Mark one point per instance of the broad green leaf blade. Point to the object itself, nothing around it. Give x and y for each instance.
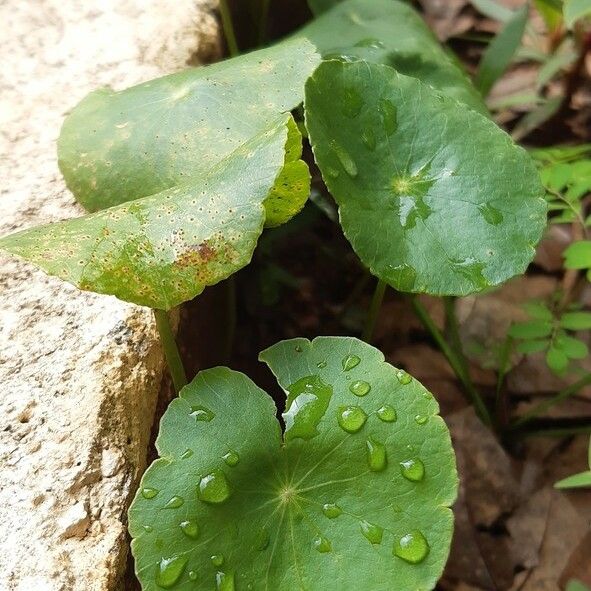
(359, 506)
(578, 255)
(531, 329)
(500, 52)
(392, 33)
(575, 585)
(119, 146)
(575, 10)
(433, 197)
(576, 481)
(162, 250)
(576, 320)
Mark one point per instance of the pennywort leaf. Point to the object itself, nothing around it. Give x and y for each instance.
(355, 495)
(164, 249)
(119, 146)
(390, 32)
(433, 197)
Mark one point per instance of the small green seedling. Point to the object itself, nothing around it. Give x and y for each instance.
(354, 495)
(581, 480)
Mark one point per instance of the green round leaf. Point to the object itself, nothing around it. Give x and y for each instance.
(391, 33)
(557, 360)
(578, 255)
(119, 146)
(576, 320)
(355, 496)
(531, 329)
(162, 250)
(433, 197)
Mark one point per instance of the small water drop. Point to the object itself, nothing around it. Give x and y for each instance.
(149, 493)
(402, 276)
(214, 488)
(170, 570)
(413, 470)
(412, 547)
(421, 419)
(321, 364)
(174, 503)
(217, 560)
(192, 575)
(377, 458)
(321, 544)
(148, 528)
(231, 458)
(351, 418)
(387, 414)
(345, 159)
(350, 361)
(351, 103)
(202, 413)
(371, 43)
(331, 510)
(360, 388)
(490, 214)
(224, 581)
(186, 454)
(372, 532)
(190, 529)
(389, 115)
(262, 539)
(368, 137)
(332, 172)
(403, 377)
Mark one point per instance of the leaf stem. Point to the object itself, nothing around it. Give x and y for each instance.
(171, 351)
(549, 403)
(228, 27)
(374, 310)
(455, 361)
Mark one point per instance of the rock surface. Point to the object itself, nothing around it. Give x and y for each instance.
(79, 373)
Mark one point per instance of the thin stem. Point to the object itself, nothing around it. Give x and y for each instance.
(231, 317)
(454, 360)
(171, 351)
(263, 21)
(549, 403)
(228, 27)
(374, 310)
(501, 412)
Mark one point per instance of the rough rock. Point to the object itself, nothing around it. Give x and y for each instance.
(79, 373)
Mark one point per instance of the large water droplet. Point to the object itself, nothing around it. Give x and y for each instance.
(389, 115)
(413, 470)
(368, 137)
(472, 270)
(412, 547)
(351, 418)
(307, 401)
(360, 388)
(331, 510)
(262, 539)
(372, 532)
(231, 458)
(214, 487)
(190, 529)
(170, 570)
(387, 414)
(174, 503)
(217, 560)
(149, 493)
(351, 102)
(224, 581)
(321, 544)
(376, 455)
(350, 361)
(345, 159)
(403, 377)
(202, 413)
(490, 214)
(421, 419)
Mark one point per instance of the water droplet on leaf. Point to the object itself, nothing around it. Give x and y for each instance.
(321, 364)
(201, 413)
(403, 377)
(490, 214)
(231, 458)
(331, 510)
(376, 455)
(224, 581)
(174, 503)
(421, 419)
(345, 159)
(214, 487)
(351, 103)
(192, 575)
(217, 560)
(322, 544)
(351, 418)
(170, 571)
(387, 414)
(190, 529)
(372, 532)
(350, 361)
(389, 115)
(368, 137)
(149, 493)
(412, 547)
(360, 388)
(148, 528)
(413, 470)
(187, 454)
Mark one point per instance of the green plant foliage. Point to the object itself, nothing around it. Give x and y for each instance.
(320, 6)
(355, 495)
(433, 197)
(548, 332)
(390, 32)
(575, 10)
(500, 52)
(162, 250)
(578, 256)
(119, 146)
(566, 175)
(581, 480)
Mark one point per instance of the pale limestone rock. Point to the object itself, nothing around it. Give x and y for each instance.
(79, 373)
